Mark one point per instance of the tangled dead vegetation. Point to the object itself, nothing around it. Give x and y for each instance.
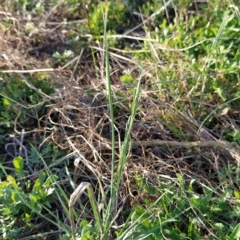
(81, 124)
(78, 122)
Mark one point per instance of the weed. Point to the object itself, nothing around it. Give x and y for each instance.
(18, 102)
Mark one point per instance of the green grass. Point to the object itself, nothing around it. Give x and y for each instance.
(117, 90)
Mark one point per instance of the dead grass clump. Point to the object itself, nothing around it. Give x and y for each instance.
(160, 149)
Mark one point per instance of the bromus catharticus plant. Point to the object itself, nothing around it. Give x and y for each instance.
(126, 145)
(105, 223)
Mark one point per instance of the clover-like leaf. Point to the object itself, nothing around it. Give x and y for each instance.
(18, 165)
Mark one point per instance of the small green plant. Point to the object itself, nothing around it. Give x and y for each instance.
(32, 6)
(63, 57)
(116, 17)
(207, 57)
(18, 101)
(21, 202)
(24, 199)
(181, 214)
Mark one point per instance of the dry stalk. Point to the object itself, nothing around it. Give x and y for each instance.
(233, 151)
(73, 199)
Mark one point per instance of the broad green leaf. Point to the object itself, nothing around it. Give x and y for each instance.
(221, 93)
(37, 185)
(6, 211)
(12, 181)
(42, 177)
(49, 180)
(181, 180)
(86, 230)
(15, 196)
(6, 102)
(237, 194)
(27, 217)
(127, 79)
(3, 184)
(33, 197)
(83, 223)
(236, 232)
(18, 164)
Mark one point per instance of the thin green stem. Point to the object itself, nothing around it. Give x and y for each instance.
(110, 100)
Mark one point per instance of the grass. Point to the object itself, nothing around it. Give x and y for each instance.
(119, 120)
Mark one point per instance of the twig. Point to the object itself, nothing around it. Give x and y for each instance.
(181, 144)
(233, 151)
(28, 71)
(73, 199)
